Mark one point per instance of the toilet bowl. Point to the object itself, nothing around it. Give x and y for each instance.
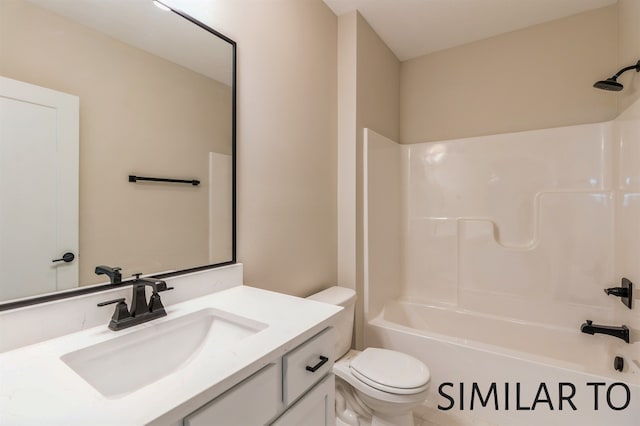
(377, 387)
(387, 386)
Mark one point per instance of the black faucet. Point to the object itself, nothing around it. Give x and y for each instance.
(115, 277)
(139, 299)
(140, 311)
(621, 332)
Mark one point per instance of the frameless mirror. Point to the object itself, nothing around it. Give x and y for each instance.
(117, 136)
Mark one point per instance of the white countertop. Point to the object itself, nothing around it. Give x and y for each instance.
(38, 388)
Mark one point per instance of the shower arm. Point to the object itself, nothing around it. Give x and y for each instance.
(625, 69)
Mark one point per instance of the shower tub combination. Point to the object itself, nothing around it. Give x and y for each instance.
(484, 256)
(541, 374)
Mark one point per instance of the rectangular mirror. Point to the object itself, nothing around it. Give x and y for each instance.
(95, 97)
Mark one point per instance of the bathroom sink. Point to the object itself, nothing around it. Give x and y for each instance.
(126, 363)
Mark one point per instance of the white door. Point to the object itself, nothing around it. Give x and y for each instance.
(38, 189)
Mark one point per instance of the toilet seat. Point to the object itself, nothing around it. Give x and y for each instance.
(390, 371)
(342, 371)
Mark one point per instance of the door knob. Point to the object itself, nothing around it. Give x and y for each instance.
(67, 257)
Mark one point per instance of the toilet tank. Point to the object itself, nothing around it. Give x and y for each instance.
(346, 298)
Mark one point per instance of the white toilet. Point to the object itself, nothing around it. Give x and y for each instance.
(376, 387)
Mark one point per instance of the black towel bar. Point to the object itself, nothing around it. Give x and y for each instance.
(193, 182)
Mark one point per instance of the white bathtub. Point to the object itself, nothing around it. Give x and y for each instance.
(522, 362)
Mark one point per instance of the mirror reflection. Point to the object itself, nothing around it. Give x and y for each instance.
(92, 92)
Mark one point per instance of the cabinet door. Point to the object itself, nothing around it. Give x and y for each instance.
(250, 403)
(315, 408)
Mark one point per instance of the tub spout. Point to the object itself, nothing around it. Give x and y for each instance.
(621, 332)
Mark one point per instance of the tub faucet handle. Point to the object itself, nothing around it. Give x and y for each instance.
(617, 291)
(624, 292)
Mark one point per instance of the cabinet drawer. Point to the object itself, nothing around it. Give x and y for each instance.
(251, 402)
(317, 354)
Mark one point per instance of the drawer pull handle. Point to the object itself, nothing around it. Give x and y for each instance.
(323, 360)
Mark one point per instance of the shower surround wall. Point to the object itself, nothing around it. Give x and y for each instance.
(530, 225)
(483, 257)
(518, 225)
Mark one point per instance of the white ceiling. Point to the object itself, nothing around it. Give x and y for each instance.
(413, 28)
(141, 24)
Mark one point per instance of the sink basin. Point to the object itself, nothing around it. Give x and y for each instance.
(129, 362)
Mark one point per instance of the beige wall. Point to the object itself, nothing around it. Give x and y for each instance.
(378, 108)
(369, 98)
(139, 227)
(287, 118)
(347, 131)
(534, 78)
(378, 83)
(628, 50)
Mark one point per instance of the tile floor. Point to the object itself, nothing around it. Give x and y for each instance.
(431, 416)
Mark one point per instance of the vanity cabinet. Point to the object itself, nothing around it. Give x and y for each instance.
(315, 408)
(317, 354)
(308, 386)
(283, 393)
(248, 403)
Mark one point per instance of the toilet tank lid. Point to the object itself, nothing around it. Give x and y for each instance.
(340, 296)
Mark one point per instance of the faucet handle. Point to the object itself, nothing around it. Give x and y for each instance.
(162, 286)
(121, 312)
(109, 302)
(617, 291)
(155, 304)
(624, 292)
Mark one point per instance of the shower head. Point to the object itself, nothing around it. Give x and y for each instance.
(611, 83)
